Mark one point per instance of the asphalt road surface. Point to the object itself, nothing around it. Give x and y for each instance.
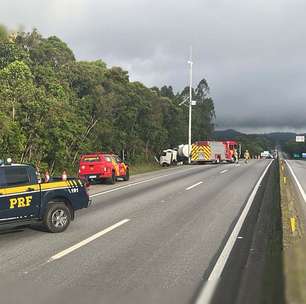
(154, 239)
(298, 168)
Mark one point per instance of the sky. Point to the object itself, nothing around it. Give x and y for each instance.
(252, 52)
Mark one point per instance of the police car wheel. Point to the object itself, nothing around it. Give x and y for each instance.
(127, 175)
(112, 179)
(57, 218)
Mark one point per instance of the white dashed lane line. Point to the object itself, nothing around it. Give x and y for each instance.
(192, 186)
(87, 241)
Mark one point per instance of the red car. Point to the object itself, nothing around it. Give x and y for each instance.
(102, 166)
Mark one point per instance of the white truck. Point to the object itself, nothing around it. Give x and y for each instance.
(266, 154)
(168, 157)
(174, 156)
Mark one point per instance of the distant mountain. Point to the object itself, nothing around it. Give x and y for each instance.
(281, 137)
(276, 137)
(227, 134)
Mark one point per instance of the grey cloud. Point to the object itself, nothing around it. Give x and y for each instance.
(251, 52)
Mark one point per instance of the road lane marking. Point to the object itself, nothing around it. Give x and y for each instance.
(297, 182)
(210, 285)
(138, 183)
(192, 186)
(293, 224)
(224, 171)
(87, 241)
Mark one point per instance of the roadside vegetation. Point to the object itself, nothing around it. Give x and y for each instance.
(294, 149)
(54, 108)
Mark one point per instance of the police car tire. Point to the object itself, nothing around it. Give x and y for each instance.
(112, 179)
(52, 208)
(127, 175)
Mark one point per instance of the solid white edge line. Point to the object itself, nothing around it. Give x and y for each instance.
(86, 241)
(297, 181)
(192, 186)
(210, 285)
(138, 183)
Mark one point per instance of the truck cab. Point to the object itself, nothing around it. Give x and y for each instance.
(25, 200)
(168, 157)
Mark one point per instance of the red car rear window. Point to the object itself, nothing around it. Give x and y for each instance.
(91, 158)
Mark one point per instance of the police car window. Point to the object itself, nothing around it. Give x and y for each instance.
(16, 176)
(2, 178)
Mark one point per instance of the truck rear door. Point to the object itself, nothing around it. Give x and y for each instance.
(20, 193)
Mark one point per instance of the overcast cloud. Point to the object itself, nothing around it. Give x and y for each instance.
(252, 52)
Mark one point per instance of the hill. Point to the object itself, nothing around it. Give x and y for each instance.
(255, 143)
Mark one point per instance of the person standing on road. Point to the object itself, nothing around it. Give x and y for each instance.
(47, 176)
(64, 175)
(236, 156)
(246, 156)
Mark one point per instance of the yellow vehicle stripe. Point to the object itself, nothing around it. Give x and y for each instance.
(35, 187)
(43, 186)
(204, 150)
(18, 189)
(194, 152)
(58, 184)
(207, 152)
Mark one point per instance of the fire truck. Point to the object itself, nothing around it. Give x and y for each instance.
(213, 151)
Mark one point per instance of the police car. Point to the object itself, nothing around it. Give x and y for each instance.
(24, 199)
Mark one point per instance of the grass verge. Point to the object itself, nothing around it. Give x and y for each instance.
(144, 167)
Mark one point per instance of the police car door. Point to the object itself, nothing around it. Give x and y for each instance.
(22, 193)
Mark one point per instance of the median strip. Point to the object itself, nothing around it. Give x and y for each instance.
(87, 241)
(293, 199)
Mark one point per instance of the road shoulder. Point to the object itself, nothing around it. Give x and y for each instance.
(255, 263)
(294, 239)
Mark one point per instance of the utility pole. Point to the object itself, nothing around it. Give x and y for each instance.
(190, 105)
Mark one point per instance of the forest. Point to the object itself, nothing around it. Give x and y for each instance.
(54, 107)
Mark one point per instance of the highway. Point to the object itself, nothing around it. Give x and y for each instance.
(154, 239)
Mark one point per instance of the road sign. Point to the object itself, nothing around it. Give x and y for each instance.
(300, 138)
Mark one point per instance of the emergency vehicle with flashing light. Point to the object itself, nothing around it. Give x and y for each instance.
(213, 151)
(103, 166)
(26, 200)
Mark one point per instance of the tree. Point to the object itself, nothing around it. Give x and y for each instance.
(54, 108)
